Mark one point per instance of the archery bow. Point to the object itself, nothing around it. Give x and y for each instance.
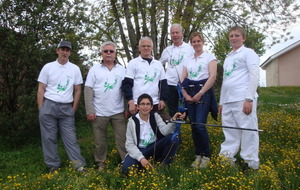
(220, 126)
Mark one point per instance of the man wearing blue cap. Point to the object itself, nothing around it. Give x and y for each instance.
(58, 97)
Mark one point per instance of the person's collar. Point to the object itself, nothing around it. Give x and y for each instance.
(102, 62)
(199, 55)
(151, 57)
(141, 120)
(145, 57)
(238, 50)
(60, 63)
(181, 43)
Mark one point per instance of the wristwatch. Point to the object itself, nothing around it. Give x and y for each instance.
(249, 100)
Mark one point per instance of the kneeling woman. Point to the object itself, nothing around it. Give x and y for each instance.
(148, 136)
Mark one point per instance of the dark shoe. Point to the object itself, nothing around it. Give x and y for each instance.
(245, 167)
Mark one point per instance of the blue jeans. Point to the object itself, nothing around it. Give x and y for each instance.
(198, 113)
(164, 149)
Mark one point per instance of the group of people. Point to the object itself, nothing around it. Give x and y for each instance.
(141, 92)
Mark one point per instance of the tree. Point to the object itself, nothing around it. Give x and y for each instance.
(30, 32)
(129, 20)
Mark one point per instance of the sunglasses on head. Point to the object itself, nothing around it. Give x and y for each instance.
(110, 51)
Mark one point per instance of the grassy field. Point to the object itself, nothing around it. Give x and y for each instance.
(278, 110)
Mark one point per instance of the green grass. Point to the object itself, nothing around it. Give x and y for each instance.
(278, 113)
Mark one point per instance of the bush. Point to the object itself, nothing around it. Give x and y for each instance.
(20, 127)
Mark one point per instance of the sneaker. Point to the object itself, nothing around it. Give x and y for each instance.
(81, 169)
(53, 169)
(196, 162)
(227, 161)
(204, 162)
(100, 169)
(253, 165)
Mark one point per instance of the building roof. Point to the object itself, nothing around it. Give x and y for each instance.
(281, 52)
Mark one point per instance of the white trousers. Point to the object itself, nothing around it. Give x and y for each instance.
(245, 141)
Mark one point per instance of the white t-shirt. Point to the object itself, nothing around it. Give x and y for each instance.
(60, 81)
(145, 77)
(106, 84)
(147, 135)
(174, 56)
(197, 68)
(236, 75)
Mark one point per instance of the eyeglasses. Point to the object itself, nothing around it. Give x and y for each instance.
(110, 51)
(145, 104)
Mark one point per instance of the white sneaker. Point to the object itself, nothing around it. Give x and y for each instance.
(81, 169)
(227, 162)
(100, 169)
(196, 162)
(204, 162)
(253, 165)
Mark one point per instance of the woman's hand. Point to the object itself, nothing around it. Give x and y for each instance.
(197, 97)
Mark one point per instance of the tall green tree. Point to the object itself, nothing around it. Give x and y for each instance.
(30, 32)
(129, 20)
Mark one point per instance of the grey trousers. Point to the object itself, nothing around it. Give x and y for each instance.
(59, 117)
(100, 125)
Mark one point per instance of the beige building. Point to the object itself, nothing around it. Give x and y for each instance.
(283, 68)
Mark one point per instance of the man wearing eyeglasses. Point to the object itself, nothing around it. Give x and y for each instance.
(104, 103)
(145, 74)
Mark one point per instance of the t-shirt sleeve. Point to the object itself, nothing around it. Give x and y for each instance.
(78, 77)
(90, 78)
(130, 70)
(43, 75)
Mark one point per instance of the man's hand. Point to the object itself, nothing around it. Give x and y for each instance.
(179, 115)
(91, 117)
(145, 163)
(247, 109)
(220, 110)
(161, 105)
(132, 107)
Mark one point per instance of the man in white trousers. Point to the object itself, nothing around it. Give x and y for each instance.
(238, 101)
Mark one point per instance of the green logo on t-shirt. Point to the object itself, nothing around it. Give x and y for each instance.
(228, 72)
(61, 88)
(175, 62)
(195, 74)
(110, 86)
(149, 78)
(145, 142)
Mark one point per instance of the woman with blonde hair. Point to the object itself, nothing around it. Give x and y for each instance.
(198, 76)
